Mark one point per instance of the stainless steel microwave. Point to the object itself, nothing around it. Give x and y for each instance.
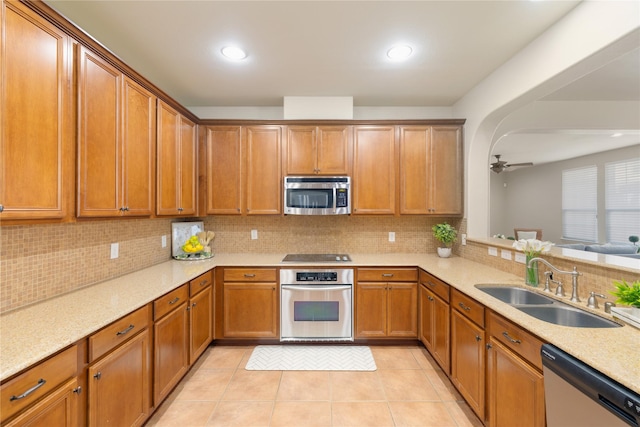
(317, 195)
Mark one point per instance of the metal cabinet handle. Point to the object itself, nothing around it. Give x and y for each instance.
(387, 274)
(506, 335)
(175, 300)
(429, 297)
(98, 375)
(249, 275)
(193, 305)
(464, 307)
(40, 383)
(125, 331)
(478, 338)
(204, 282)
(77, 390)
(431, 284)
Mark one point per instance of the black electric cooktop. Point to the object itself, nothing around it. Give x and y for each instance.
(316, 258)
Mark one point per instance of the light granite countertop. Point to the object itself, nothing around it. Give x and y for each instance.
(33, 333)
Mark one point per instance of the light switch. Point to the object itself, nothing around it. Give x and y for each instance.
(392, 236)
(164, 241)
(254, 234)
(505, 254)
(521, 258)
(493, 251)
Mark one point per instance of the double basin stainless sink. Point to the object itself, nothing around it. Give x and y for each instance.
(546, 309)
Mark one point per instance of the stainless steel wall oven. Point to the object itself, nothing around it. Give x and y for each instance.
(316, 304)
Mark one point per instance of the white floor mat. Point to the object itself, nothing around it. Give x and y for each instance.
(311, 358)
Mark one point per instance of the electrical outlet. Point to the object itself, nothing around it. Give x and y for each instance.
(505, 254)
(392, 236)
(493, 251)
(463, 237)
(164, 241)
(521, 258)
(114, 250)
(254, 234)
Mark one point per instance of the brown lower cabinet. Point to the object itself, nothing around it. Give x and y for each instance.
(248, 303)
(468, 350)
(515, 392)
(435, 319)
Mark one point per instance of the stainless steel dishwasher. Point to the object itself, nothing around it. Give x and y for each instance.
(578, 395)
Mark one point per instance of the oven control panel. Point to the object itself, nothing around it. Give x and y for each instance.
(317, 276)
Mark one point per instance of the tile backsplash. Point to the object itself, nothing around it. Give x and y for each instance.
(41, 261)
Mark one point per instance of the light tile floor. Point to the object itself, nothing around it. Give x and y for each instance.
(408, 389)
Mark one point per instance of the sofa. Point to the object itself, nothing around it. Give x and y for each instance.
(629, 251)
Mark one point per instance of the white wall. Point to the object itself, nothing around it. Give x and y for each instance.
(533, 196)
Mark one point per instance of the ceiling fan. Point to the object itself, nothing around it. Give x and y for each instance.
(500, 165)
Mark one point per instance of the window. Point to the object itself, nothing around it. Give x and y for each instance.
(622, 200)
(580, 204)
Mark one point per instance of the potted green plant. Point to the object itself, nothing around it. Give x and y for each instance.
(628, 294)
(445, 234)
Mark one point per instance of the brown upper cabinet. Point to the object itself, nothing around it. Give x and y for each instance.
(177, 165)
(319, 150)
(244, 174)
(37, 147)
(116, 142)
(224, 169)
(374, 170)
(431, 170)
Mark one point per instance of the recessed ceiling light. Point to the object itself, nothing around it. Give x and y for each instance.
(399, 52)
(616, 135)
(234, 53)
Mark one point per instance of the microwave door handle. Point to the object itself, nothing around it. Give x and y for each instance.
(335, 199)
(316, 288)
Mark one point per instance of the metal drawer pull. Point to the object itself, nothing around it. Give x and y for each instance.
(125, 331)
(77, 390)
(249, 275)
(175, 300)
(98, 375)
(387, 274)
(41, 382)
(464, 307)
(506, 335)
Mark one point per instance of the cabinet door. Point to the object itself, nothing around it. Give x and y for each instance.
(332, 150)
(434, 331)
(60, 409)
(374, 170)
(37, 147)
(468, 361)
(224, 159)
(371, 310)
(402, 310)
(167, 202)
(515, 389)
(201, 323)
(263, 171)
(139, 148)
(250, 310)
(119, 386)
(171, 351)
(415, 172)
(447, 170)
(301, 150)
(187, 167)
(99, 149)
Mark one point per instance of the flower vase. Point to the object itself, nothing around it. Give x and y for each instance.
(531, 273)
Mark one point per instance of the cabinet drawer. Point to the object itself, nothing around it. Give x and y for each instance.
(168, 302)
(118, 332)
(517, 339)
(200, 283)
(387, 274)
(434, 284)
(38, 381)
(249, 275)
(472, 309)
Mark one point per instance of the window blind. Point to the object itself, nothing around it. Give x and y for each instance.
(622, 200)
(580, 204)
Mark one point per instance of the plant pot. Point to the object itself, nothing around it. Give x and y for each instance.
(444, 252)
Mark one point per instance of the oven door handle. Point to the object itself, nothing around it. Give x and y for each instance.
(316, 288)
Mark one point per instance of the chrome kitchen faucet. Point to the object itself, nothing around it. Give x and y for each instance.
(574, 276)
